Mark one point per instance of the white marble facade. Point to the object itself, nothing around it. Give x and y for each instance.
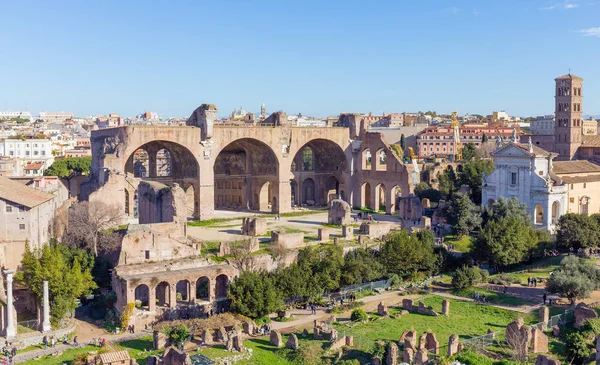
(524, 171)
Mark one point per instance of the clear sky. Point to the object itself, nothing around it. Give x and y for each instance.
(314, 57)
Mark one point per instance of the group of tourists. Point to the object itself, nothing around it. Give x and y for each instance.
(9, 353)
(265, 329)
(479, 298)
(131, 328)
(532, 282)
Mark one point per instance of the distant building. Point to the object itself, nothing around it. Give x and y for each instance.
(27, 211)
(543, 125)
(10, 166)
(111, 121)
(590, 127)
(438, 140)
(6, 114)
(34, 169)
(56, 117)
(28, 151)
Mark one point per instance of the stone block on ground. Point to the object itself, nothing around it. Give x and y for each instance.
(546, 360)
(382, 309)
(582, 314)
(421, 357)
(339, 212)
(453, 345)
(275, 338)
(391, 357)
(323, 234)
(539, 341)
(446, 307)
(348, 232)
(292, 342)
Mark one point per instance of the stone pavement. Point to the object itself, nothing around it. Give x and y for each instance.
(28, 355)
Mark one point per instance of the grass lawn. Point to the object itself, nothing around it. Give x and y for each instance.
(262, 353)
(461, 244)
(466, 320)
(138, 349)
(539, 269)
(66, 358)
(491, 296)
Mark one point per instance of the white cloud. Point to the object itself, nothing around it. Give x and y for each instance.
(564, 5)
(453, 10)
(571, 6)
(591, 32)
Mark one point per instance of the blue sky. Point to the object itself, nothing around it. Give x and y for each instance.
(315, 57)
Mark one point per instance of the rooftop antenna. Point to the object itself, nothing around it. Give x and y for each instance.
(569, 70)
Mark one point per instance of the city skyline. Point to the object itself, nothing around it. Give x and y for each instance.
(304, 58)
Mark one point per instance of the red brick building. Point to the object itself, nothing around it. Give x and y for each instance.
(438, 140)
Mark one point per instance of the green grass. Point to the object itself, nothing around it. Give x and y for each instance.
(23, 329)
(491, 296)
(66, 358)
(461, 244)
(138, 349)
(329, 225)
(211, 247)
(262, 353)
(466, 320)
(539, 269)
(211, 223)
(293, 230)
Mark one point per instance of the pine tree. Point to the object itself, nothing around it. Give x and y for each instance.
(403, 142)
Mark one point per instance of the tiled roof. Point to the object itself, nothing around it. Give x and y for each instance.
(111, 357)
(590, 141)
(18, 193)
(33, 166)
(575, 167)
(580, 179)
(568, 77)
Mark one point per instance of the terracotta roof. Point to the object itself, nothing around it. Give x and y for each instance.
(574, 167)
(580, 179)
(536, 150)
(33, 166)
(590, 141)
(111, 357)
(568, 77)
(18, 193)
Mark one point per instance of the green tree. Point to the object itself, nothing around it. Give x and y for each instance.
(577, 347)
(67, 270)
(324, 263)
(465, 277)
(407, 255)
(447, 182)
(254, 294)
(423, 190)
(361, 265)
(178, 335)
(577, 231)
(68, 167)
(397, 150)
(505, 241)
(504, 208)
(403, 142)
(359, 314)
(575, 279)
(462, 214)
(468, 151)
(484, 138)
(472, 175)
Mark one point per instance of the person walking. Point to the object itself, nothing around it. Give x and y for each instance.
(75, 341)
(45, 342)
(53, 341)
(544, 297)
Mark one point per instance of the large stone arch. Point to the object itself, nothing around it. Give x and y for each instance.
(241, 170)
(182, 162)
(323, 162)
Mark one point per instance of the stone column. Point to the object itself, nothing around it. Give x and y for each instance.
(151, 298)
(173, 296)
(192, 291)
(11, 329)
(46, 323)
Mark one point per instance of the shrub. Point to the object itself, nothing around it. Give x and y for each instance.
(359, 315)
(465, 277)
(126, 315)
(577, 347)
(178, 335)
(504, 279)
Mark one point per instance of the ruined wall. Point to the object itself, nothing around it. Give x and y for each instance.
(155, 242)
(160, 203)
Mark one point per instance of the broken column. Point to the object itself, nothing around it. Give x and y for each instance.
(323, 234)
(431, 343)
(292, 342)
(11, 329)
(421, 357)
(391, 357)
(539, 341)
(46, 323)
(446, 307)
(275, 338)
(348, 232)
(453, 345)
(339, 212)
(382, 309)
(544, 317)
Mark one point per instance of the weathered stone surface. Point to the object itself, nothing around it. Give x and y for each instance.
(410, 336)
(422, 341)
(248, 327)
(432, 344)
(518, 336)
(598, 350)
(172, 356)
(207, 337)
(556, 331)
(407, 304)
(339, 343)
(453, 342)
(539, 341)
(421, 357)
(287, 240)
(404, 312)
(376, 230)
(361, 239)
(305, 333)
(382, 309)
(391, 357)
(238, 343)
(224, 249)
(582, 314)
(292, 342)
(339, 212)
(348, 232)
(221, 334)
(544, 317)
(275, 338)
(546, 360)
(446, 307)
(323, 234)
(336, 240)
(408, 355)
(349, 341)
(254, 226)
(159, 340)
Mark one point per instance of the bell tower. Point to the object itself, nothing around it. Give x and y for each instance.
(568, 117)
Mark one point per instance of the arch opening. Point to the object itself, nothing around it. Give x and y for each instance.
(555, 212)
(381, 161)
(365, 196)
(163, 163)
(203, 289)
(380, 202)
(308, 192)
(539, 214)
(163, 294)
(182, 291)
(142, 297)
(221, 287)
(140, 162)
(190, 202)
(366, 159)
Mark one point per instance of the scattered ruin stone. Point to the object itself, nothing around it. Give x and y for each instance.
(348, 232)
(598, 350)
(173, 356)
(152, 360)
(391, 357)
(323, 234)
(422, 341)
(238, 343)
(556, 331)
(376, 361)
(292, 342)
(407, 304)
(229, 344)
(410, 336)
(275, 338)
(432, 344)
(336, 240)
(339, 212)
(361, 239)
(159, 340)
(539, 341)
(421, 357)
(339, 343)
(248, 327)
(382, 309)
(254, 226)
(544, 317)
(408, 355)
(221, 334)
(305, 333)
(446, 307)
(404, 312)
(207, 337)
(491, 333)
(349, 341)
(453, 345)
(518, 336)
(546, 360)
(224, 249)
(582, 314)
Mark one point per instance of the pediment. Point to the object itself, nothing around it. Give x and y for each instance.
(510, 150)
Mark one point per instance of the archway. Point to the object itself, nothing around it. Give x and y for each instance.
(265, 198)
(380, 201)
(308, 156)
(140, 163)
(395, 194)
(163, 294)
(241, 170)
(308, 192)
(366, 159)
(365, 196)
(203, 289)
(555, 212)
(584, 204)
(539, 214)
(163, 162)
(190, 201)
(142, 297)
(381, 162)
(222, 285)
(294, 190)
(182, 290)
(332, 189)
